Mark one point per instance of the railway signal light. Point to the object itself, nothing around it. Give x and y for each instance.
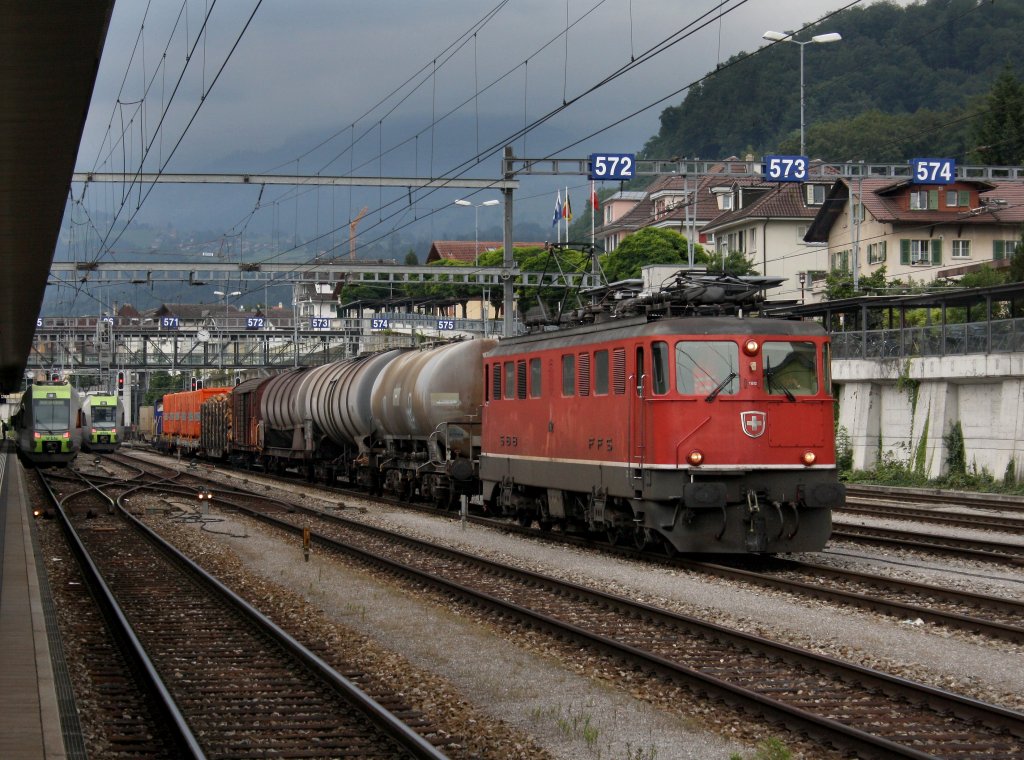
(194, 381)
(120, 383)
(55, 376)
(199, 384)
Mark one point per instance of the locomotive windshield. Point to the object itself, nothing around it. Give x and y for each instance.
(705, 366)
(103, 416)
(789, 368)
(51, 414)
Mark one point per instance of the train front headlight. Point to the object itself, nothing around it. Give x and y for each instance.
(808, 458)
(67, 433)
(695, 458)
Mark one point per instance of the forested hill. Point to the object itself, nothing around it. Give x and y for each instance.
(903, 82)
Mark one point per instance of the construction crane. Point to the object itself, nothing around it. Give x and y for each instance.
(352, 234)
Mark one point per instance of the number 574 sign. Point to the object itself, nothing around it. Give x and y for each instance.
(934, 171)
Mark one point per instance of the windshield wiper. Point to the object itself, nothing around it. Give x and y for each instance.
(720, 387)
(778, 384)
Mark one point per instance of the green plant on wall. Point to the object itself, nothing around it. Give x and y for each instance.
(844, 450)
(956, 453)
(921, 453)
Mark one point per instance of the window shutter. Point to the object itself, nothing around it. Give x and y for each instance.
(933, 199)
(905, 252)
(882, 250)
(936, 251)
(964, 198)
(998, 249)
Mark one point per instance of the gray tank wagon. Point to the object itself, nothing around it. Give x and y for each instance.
(426, 408)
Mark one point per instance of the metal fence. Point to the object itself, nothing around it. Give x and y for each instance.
(998, 336)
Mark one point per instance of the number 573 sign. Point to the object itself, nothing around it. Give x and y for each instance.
(785, 168)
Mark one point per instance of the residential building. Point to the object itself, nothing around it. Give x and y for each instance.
(767, 222)
(916, 231)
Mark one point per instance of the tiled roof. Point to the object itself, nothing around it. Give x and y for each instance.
(785, 200)
(886, 202)
(468, 250)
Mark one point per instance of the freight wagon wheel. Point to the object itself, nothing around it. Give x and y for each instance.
(613, 535)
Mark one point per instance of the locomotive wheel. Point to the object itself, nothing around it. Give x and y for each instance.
(613, 535)
(524, 519)
(643, 538)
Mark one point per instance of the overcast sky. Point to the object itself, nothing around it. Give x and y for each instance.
(305, 70)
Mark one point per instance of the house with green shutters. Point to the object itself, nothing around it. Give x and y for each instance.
(918, 232)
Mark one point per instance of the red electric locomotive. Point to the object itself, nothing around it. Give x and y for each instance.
(692, 433)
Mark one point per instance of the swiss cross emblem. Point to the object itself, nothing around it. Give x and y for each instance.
(753, 423)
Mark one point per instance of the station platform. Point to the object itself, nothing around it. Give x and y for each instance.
(30, 723)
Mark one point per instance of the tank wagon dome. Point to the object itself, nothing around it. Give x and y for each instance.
(337, 396)
(419, 390)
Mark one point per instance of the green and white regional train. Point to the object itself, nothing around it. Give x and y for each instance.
(102, 422)
(48, 424)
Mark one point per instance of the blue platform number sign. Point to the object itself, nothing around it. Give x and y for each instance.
(39, 321)
(934, 171)
(379, 323)
(785, 168)
(320, 323)
(254, 323)
(169, 323)
(612, 165)
(446, 324)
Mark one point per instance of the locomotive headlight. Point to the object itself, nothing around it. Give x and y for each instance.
(36, 434)
(808, 458)
(695, 458)
(67, 433)
(751, 347)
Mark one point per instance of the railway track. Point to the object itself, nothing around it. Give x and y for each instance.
(991, 616)
(932, 543)
(849, 707)
(221, 678)
(917, 496)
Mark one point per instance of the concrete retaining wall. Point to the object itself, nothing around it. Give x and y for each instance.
(890, 409)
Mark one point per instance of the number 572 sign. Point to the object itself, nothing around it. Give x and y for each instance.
(612, 165)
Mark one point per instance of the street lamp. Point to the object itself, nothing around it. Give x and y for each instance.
(476, 220)
(819, 38)
(226, 297)
(476, 247)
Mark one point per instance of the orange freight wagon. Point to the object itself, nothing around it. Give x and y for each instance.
(181, 417)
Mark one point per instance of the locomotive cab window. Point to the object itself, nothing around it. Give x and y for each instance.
(659, 368)
(705, 367)
(789, 368)
(568, 375)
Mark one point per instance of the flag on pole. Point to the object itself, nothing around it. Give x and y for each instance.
(558, 209)
(567, 208)
(593, 197)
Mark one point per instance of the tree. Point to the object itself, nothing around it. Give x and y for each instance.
(1016, 273)
(411, 259)
(651, 245)
(999, 136)
(734, 263)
